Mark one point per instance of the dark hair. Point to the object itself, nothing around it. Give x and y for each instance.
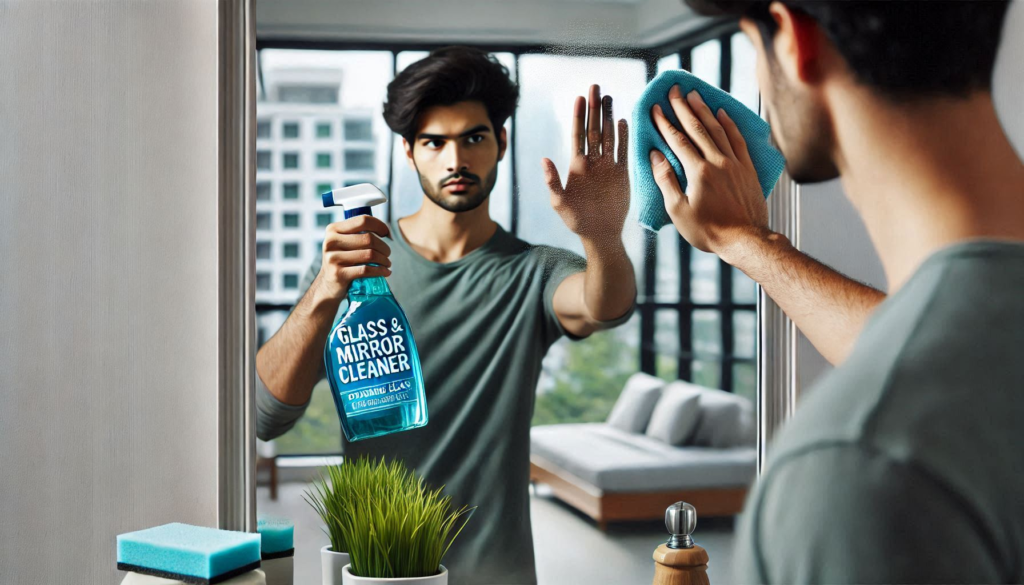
(448, 76)
(905, 49)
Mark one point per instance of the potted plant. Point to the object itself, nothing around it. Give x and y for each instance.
(392, 526)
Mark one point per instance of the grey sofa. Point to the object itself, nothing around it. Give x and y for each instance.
(662, 443)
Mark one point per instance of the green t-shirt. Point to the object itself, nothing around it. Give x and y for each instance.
(906, 464)
(482, 325)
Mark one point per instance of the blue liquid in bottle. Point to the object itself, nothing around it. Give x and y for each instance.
(372, 363)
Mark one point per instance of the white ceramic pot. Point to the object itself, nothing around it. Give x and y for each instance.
(331, 564)
(349, 579)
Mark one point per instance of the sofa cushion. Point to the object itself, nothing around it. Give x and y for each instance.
(636, 402)
(616, 461)
(676, 413)
(726, 420)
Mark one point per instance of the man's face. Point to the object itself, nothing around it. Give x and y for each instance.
(800, 123)
(456, 154)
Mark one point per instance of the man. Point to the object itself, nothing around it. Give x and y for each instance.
(484, 305)
(904, 465)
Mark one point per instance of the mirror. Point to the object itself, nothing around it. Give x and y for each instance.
(595, 514)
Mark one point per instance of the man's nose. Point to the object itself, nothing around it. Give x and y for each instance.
(455, 159)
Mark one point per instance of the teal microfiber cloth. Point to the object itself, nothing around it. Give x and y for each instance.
(644, 137)
(193, 554)
(278, 536)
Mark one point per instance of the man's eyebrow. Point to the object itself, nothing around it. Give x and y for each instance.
(480, 129)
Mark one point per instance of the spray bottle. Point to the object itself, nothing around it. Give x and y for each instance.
(372, 363)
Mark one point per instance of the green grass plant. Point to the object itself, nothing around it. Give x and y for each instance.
(386, 518)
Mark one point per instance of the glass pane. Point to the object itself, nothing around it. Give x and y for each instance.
(357, 130)
(581, 380)
(262, 250)
(290, 130)
(743, 77)
(707, 61)
(704, 276)
(707, 373)
(262, 129)
(669, 62)
(323, 130)
(707, 333)
(667, 271)
(744, 290)
(744, 380)
(549, 85)
(358, 160)
(744, 334)
(666, 343)
(263, 160)
(263, 191)
(408, 194)
(323, 160)
(291, 191)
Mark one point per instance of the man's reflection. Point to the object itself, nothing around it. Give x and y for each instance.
(484, 305)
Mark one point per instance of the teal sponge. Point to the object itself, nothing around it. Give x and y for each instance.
(193, 554)
(278, 536)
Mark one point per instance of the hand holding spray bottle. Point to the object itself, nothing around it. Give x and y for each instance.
(372, 363)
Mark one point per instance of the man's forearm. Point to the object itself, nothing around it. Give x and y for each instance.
(289, 362)
(609, 284)
(829, 308)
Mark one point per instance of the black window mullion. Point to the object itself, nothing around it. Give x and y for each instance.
(391, 151)
(685, 359)
(648, 351)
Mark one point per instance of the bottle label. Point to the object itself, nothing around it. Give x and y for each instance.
(372, 364)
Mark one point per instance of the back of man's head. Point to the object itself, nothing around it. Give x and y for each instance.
(904, 49)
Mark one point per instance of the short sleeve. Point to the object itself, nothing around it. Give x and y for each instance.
(556, 265)
(845, 514)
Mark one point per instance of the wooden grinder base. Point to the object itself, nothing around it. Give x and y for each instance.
(680, 566)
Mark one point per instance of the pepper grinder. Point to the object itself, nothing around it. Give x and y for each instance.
(680, 561)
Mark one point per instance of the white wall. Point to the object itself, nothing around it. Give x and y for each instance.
(832, 232)
(108, 279)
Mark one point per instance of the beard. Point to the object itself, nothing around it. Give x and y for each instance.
(802, 130)
(474, 196)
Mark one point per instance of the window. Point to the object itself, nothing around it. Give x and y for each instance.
(358, 130)
(263, 191)
(290, 220)
(263, 250)
(323, 130)
(263, 221)
(323, 160)
(358, 160)
(263, 129)
(290, 250)
(322, 188)
(290, 191)
(324, 219)
(262, 281)
(351, 182)
(290, 160)
(290, 129)
(263, 160)
(290, 281)
(307, 94)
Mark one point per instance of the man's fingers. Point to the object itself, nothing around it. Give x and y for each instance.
(607, 128)
(579, 126)
(680, 144)
(691, 124)
(359, 224)
(594, 122)
(334, 242)
(623, 142)
(357, 258)
(665, 177)
(551, 176)
(707, 118)
(351, 273)
(739, 144)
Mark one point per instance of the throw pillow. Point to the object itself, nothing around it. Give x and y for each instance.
(676, 413)
(633, 409)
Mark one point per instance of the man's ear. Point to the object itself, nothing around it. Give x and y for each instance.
(408, 154)
(502, 143)
(799, 44)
